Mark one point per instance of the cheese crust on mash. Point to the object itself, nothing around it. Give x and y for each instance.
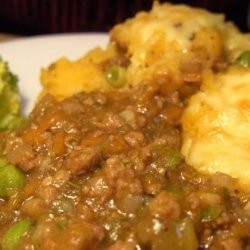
(178, 41)
(65, 78)
(216, 125)
(174, 42)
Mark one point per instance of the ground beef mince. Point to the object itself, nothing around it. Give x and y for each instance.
(104, 171)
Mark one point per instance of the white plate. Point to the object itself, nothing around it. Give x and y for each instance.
(27, 56)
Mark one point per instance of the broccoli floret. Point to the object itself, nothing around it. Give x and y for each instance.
(10, 103)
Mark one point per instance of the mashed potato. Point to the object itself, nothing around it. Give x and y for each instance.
(65, 78)
(177, 40)
(216, 125)
(170, 43)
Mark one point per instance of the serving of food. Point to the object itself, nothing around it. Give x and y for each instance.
(139, 145)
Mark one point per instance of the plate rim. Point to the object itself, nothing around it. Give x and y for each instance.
(52, 36)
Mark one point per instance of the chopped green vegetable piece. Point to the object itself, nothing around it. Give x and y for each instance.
(168, 157)
(210, 213)
(186, 230)
(14, 234)
(11, 179)
(61, 225)
(10, 111)
(182, 236)
(63, 205)
(116, 76)
(244, 59)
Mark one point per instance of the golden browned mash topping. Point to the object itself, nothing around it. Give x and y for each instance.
(140, 145)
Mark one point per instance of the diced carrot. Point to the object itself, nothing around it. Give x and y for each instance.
(50, 119)
(58, 143)
(114, 145)
(90, 140)
(29, 188)
(173, 115)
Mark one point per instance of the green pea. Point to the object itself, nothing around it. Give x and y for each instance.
(15, 233)
(116, 76)
(244, 59)
(11, 179)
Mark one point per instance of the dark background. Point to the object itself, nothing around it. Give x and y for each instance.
(33, 17)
